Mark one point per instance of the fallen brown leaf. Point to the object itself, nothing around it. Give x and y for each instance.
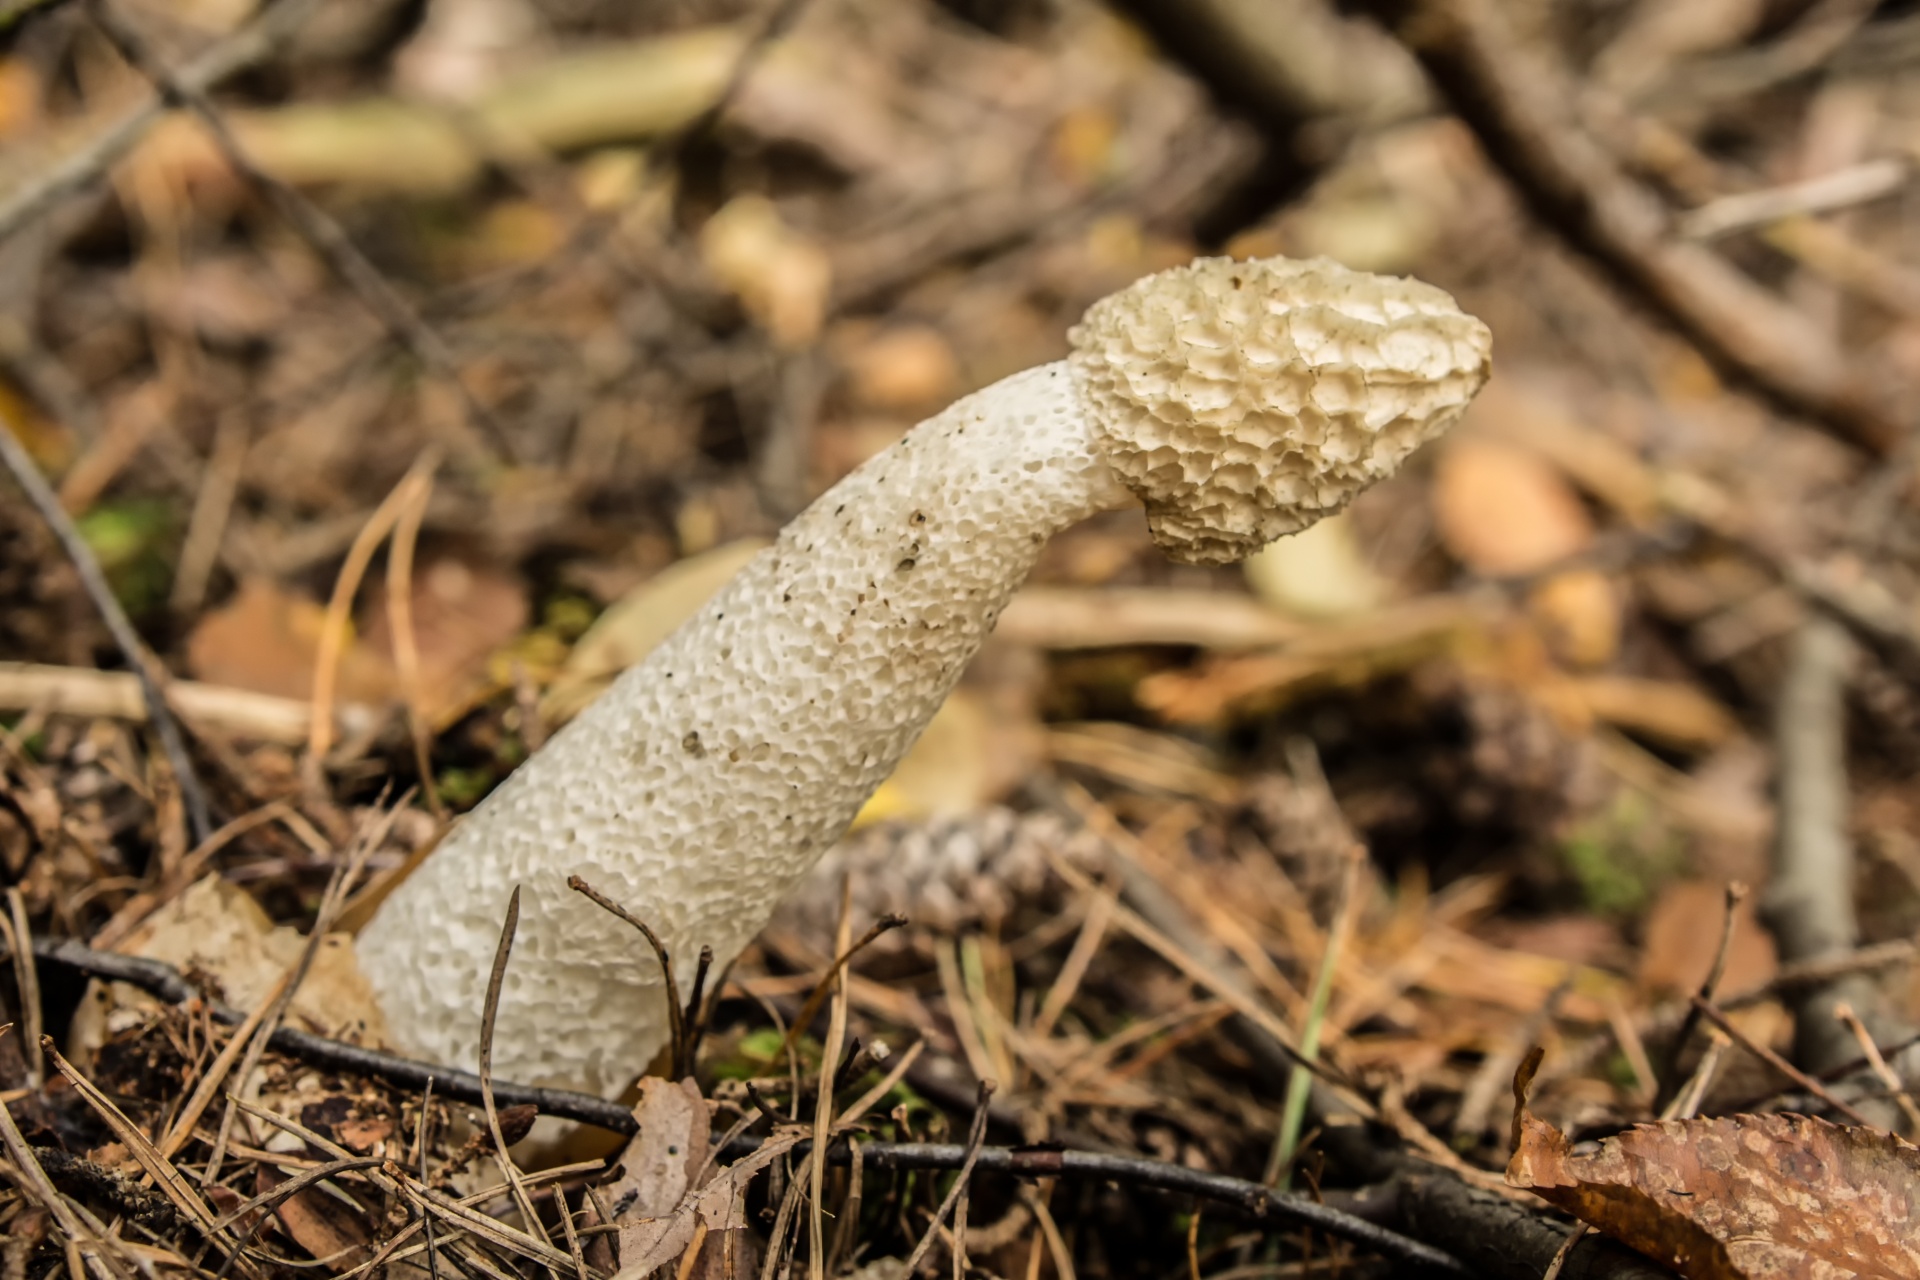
(1682, 933)
(1501, 510)
(659, 1167)
(463, 612)
(266, 640)
(1735, 1197)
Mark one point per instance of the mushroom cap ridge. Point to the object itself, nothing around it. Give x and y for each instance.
(1243, 401)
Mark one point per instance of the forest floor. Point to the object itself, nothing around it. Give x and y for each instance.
(1593, 730)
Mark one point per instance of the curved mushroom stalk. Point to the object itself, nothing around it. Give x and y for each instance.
(1240, 401)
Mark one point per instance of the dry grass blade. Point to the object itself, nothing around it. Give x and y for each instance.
(1086, 945)
(26, 976)
(1204, 976)
(828, 980)
(215, 1075)
(849, 1209)
(777, 1234)
(867, 1101)
(389, 1178)
(171, 1182)
(1878, 1062)
(338, 887)
(346, 584)
(1709, 986)
(823, 1104)
(165, 982)
(406, 644)
(492, 1230)
(83, 1244)
(1299, 1084)
(489, 1014)
(298, 1183)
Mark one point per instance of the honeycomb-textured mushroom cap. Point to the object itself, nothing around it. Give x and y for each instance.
(1242, 401)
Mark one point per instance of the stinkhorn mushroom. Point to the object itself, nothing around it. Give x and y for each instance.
(1239, 401)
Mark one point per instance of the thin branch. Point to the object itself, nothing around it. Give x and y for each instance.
(1709, 988)
(164, 981)
(976, 1138)
(87, 164)
(676, 1016)
(1780, 1064)
(1250, 1197)
(1524, 112)
(159, 714)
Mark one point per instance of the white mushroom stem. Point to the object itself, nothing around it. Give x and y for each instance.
(1240, 401)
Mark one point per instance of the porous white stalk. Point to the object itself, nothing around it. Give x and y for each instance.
(710, 777)
(1238, 401)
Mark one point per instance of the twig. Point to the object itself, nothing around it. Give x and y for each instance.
(1709, 988)
(330, 902)
(1878, 1062)
(117, 695)
(1250, 1197)
(314, 224)
(420, 1133)
(1686, 1103)
(208, 1086)
(976, 1136)
(90, 162)
(164, 981)
(1499, 1238)
(676, 1017)
(159, 714)
(697, 1010)
(165, 1176)
(1580, 1232)
(1525, 115)
(825, 987)
(1824, 194)
(1780, 1064)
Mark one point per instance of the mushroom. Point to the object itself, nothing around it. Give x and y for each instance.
(1239, 401)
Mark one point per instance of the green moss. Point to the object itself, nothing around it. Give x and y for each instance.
(1620, 856)
(131, 540)
(464, 788)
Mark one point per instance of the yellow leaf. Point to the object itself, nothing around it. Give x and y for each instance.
(947, 773)
(638, 622)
